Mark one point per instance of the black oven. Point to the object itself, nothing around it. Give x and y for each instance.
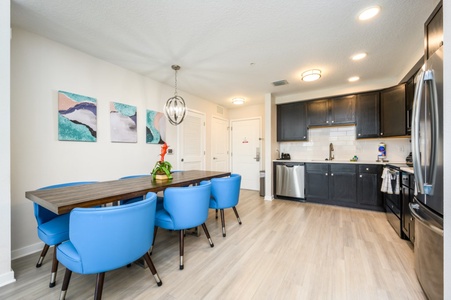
(391, 187)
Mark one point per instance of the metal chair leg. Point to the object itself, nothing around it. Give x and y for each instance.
(152, 269)
(43, 254)
(216, 213)
(208, 235)
(65, 284)
(181, 246)
(99, 286)
(236, 214)
(54, 269)
(155, 229)
(223, 223)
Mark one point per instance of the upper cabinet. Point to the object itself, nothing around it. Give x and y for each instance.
(335, 111)
(291, 122)
(433, 30)
(393, 111)
(367, 115)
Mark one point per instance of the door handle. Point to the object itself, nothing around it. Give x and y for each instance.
(214, 158)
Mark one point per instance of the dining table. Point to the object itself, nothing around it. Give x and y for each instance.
(63, 200)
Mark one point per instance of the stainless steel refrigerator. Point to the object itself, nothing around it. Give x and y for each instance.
(427, 154)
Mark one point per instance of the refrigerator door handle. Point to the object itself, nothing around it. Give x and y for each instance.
(430, 80)
(416, 133)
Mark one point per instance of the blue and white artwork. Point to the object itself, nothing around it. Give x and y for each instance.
(123, 123)
(77, 117)
(155, 127)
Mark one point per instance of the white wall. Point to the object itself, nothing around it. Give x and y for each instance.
(6, 274)
(41, 67)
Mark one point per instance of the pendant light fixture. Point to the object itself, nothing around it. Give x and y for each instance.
(175, 108)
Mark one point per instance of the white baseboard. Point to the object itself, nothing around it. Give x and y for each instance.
(7, 278)
(18, 253)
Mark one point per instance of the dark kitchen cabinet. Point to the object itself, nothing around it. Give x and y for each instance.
(317, 182)
(342, 183)
(291, 122)
(338, 184)
(433, 30)
(368, 186)
(367, 115)
(407, 221)
(393, 111)
(335, 111)
(342, 110)
(318, 112)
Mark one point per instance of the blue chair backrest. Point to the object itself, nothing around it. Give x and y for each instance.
(107, 238)
(226, 191)
(187, 206)
(44, 215)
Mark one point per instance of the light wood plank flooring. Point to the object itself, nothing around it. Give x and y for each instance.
(283, 250)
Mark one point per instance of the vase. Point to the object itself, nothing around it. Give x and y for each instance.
(159, 177)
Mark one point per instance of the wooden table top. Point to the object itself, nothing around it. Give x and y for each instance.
(63, 200)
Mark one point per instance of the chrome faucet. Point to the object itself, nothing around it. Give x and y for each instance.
(331, 151)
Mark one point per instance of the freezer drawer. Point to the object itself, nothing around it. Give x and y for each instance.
(290, 180)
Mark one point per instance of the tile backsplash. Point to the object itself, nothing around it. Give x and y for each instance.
(345, 146)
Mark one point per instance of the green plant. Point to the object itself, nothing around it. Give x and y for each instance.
(162, 168)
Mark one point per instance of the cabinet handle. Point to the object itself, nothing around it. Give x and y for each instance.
(327, 121)
(331, 174)
(326, 174)
(382, 133)
(361, 176)
(304, 136)
(332, 121)
(359, 134)
(367, 169)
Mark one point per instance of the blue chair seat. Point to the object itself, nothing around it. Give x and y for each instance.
(55, 231)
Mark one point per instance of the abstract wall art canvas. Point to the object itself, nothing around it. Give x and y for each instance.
(123, 123)
(77, 117)
(155, 127)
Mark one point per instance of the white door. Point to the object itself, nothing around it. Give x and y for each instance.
(192, 141)
(219, 144)
(246, 152)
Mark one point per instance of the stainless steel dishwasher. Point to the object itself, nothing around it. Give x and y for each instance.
(290, 180)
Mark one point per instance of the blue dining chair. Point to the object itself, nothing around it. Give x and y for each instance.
(184, 208)
(225, 193)
(128, 201)
(107, 238)
(52, 229)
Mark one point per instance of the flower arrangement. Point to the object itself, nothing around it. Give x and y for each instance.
(162, 169)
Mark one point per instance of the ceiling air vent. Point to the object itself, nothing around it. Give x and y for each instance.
(279, 83)
(219, 110)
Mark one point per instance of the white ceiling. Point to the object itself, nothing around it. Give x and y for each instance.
(238, 48)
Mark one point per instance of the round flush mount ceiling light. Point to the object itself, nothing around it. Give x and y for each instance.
(311, 75)
(238, 101)
(359, 56)
(369, 13)
(354, 78)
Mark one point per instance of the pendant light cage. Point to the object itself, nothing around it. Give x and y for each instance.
(175, 107)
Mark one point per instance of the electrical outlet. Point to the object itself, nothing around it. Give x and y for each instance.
(401, 149)
(170, 152)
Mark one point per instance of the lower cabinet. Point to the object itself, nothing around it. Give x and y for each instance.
(350, 185)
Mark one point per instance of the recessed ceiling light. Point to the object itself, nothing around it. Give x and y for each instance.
(311, 75)
(359, 56)
(354, 78)
(238, 101)
(369, 13)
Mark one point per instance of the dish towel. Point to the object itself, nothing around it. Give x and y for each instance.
(386, 186)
